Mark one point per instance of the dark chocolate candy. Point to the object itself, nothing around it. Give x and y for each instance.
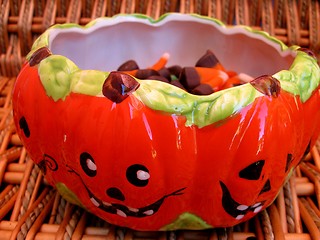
(39, 55)
(128, 66)
(208, 60)
(267, 85)
(177, 84)
(175, 70)
(202, 89)
(159, 78)
(189, 78)
(164, 72)
(118, 86)
(146, 73)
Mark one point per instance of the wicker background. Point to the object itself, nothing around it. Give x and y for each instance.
(30, 209)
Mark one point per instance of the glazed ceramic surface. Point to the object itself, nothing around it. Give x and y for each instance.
(162, 158)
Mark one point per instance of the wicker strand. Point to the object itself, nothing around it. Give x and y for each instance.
(62, 7)
(61, 211)
(242, 14)
(5, 134)
(28, 220)
(276, 222)
(308, 221)
(49, 14)
(4, 13)
(311, 212)
(303, 13)
(30, 187)
(120, 234)
(288, 207)
(266, 225)
(72, 224)
(12, 153)
(101, 9)
(8, 196)
(24, 25)
(279, 6)
(268, 17)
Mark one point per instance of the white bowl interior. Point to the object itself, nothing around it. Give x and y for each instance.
(109, 43)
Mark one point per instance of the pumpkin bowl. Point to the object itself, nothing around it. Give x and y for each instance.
(149, 155)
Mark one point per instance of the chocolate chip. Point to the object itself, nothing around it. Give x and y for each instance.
(267, 85)
(39, 55)
(208, 60)
(189, 78)
(164, 72)
(128, 66)
(175, 70)
(202, 89)
(159, 78)
(118, 86)
(177, 84)
(145, 73)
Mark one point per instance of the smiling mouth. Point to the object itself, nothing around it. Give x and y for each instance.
(125, 211)
(122, 210)
(235, 209)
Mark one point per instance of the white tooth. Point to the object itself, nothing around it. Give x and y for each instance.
(258, 209)
(148, 212)
(133, 209)
(121, 213)
(242, 207)
(143, 175)
(106, 204)
(239, 216)
(94, 202)
(256, 205)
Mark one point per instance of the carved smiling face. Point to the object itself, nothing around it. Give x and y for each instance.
(136, 174)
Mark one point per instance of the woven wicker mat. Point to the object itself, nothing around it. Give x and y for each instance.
(30, 209)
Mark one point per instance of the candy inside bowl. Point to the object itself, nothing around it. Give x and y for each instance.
(148, 155)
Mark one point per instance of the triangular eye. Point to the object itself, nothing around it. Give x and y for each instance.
(266, 187)
(253, 171)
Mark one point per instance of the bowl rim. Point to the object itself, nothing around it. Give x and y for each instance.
(301, 79)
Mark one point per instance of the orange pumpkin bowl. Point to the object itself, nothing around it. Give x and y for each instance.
(148, 155)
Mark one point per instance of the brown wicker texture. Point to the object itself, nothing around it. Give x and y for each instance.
(30, 209)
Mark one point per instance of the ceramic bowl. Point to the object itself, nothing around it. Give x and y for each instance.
(148, 155)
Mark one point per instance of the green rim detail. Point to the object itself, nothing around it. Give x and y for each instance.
(68, 195)
(187, 221)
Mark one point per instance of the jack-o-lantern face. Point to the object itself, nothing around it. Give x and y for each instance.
(148, 155)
